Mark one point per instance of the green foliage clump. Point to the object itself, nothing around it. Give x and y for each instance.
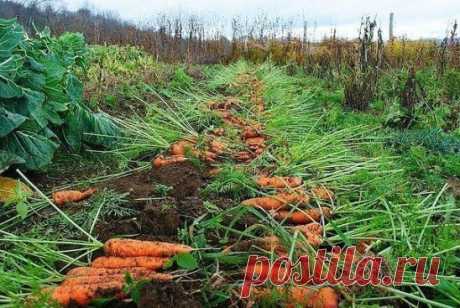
(41, 99)
(181, 80)
(451, 84)
(432, 139)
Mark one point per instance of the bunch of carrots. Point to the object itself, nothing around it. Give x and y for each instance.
(298, 296)
(105, 276)
(179, 150)
(294, 195)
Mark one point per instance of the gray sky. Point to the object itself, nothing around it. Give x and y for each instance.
(413, 18)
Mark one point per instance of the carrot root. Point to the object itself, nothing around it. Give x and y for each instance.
(119, 262)
(66, 196)
(135, 248)
(304, 217)
(279, 182)
(161, 161)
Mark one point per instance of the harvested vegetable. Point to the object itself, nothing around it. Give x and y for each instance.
(323, 193)
(277, 201)
(217, 147)
(208, 156)
(229, 103)
(182, 147)
(93, 271)
(255, 142)
(66, 196)
(243, 156)
(298, 296)
(161, 161)
(8, 189)
(279, 182)
(118, 262)
(98, 279)
(267, 203)
(313, 232)
(322, 298)
(304, 217)
(231, 119)
(84, 294)
(136, 248)
(218, 132)
(250, 132)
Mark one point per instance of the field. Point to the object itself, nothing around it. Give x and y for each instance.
(227, 159)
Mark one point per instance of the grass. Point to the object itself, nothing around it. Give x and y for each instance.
(393, 195)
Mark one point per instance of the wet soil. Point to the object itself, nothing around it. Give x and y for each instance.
(159, 217)
(184, 178)
(138, 185)
(169, 294)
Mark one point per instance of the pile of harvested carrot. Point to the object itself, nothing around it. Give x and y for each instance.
(298, 296)
(106, 275)
(179, 150)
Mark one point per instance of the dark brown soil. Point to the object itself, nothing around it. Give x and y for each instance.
(114, 228)
(184, 178)
(138, 185)
(160, 219)
(169, 294)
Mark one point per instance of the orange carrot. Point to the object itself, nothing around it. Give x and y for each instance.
(182, 147)
(243, 156)
(88, 280)
(218, 131)
(65, 196)
(267, 203)
(226, 105)
(208, 156)
(250, 132)
(84, 294)
(217, 147)
(303, 217)
(313, 233)
(255, 142)
(135, 248)
(279, 182)
(231, 119)
(161, 160)
(294, 197)
(322, 298)
(298, 296)
(93, 271)
(277, 201)
(118, 262)
(323, 193)
(270, 243)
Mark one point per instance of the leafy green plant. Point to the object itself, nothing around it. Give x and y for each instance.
(451, 84)
(41, 99)
(432, 139)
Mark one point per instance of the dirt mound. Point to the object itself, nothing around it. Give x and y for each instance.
(108, 230)
(172, 294)
(138, 185)
(183, 177)
(160, 219)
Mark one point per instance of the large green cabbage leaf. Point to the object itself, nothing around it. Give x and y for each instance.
(41, 103)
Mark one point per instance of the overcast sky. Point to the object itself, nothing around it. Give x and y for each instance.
(413, 18)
